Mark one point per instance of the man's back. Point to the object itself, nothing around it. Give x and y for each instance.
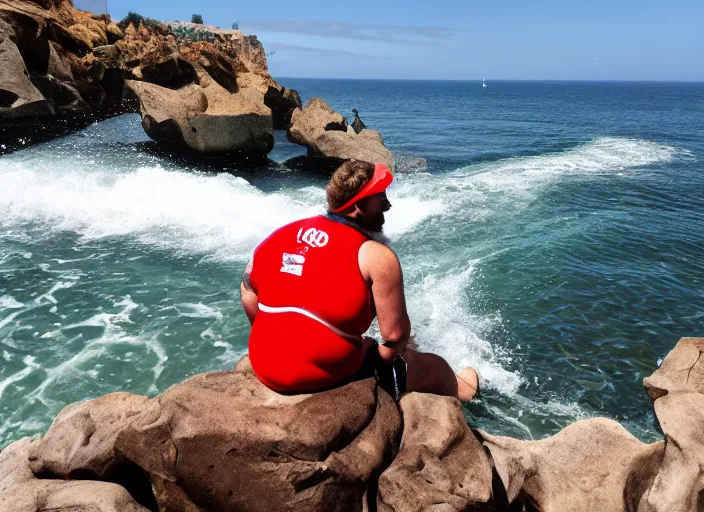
(307, 279)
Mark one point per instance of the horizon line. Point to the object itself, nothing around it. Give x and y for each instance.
(701, 81)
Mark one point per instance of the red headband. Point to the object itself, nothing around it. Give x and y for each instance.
(381, 179)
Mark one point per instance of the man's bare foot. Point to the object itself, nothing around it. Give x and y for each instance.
(467, 384)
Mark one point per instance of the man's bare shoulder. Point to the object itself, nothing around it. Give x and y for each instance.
(377, 259)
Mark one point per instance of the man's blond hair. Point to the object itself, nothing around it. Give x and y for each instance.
(347, 181)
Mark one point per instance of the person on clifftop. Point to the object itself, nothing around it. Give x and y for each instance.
(313, 288)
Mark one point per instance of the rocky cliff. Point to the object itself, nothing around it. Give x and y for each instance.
(198, 89)
(222, 441)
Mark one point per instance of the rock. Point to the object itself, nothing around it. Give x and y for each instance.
(411, 164)
(679, 483)
(64, 99)
(677, 391)
(206, 118)
(282, 102)
(223, 441)
(441, 464)
(325, 133)
(81, 62)
(316, 117)
(81, 440)
(14, 464)
(108, 52)
(172, 72)
(593, 464)
(681, 370)
(18, 97)
(62, 496)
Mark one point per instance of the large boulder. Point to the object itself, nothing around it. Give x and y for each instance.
(325, 133)
(593, 464)
(20, 491)
(81, 440)
(205, 118)
(223, 441)
(441, 464)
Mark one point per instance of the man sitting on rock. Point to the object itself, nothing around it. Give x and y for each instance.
(313, 288)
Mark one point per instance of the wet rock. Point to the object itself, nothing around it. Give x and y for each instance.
(223, 441)
(325, 133)
(19, 98)
(593, 464)
(81, 440)
(441, 464)
(205, 118)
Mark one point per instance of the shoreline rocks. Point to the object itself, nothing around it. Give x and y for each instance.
(326, 133)
(207, 94)
(223, 441)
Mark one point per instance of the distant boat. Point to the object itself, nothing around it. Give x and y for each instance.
(483, 82)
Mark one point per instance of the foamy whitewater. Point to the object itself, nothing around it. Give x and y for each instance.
(561, 276)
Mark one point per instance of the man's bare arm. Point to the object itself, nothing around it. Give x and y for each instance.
(248, 296)
(382, 270)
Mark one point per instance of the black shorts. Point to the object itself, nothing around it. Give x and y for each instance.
(391, 377)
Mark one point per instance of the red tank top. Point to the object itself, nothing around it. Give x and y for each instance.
(312, 265)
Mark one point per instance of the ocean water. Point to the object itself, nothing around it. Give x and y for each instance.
(555, 242)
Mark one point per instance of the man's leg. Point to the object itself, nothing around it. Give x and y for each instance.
(430, 373)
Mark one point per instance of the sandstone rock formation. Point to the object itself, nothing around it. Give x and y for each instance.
(325, 133)
(226, 442)
(223, 441)
(440, 461)
(20, 491)
(64, 68)
(590, 465)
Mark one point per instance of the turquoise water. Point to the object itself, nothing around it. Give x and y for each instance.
(555, 242)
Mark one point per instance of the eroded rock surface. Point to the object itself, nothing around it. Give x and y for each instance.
(81, 440)
(64, 68)
(440, 464)
(223, 441)
(677, 390)
(593, 464)
(68, 496)
(325, 133)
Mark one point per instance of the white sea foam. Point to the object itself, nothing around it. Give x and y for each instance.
(523, 177)
(443, 324)
(9, 302)
(220, 216)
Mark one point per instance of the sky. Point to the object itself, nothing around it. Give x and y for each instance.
(458, 40)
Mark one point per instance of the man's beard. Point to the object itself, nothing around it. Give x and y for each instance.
(374, 228)
(374, 225)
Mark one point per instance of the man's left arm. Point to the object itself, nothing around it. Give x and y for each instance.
(248, 295)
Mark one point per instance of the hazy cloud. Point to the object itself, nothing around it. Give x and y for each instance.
(346, 30)
(325, 52)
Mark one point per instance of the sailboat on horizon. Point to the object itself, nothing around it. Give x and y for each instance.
(483, 82)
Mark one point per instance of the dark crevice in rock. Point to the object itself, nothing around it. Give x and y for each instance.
(7, 98)
(342, 127)
(692, 367)
(172, 73)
